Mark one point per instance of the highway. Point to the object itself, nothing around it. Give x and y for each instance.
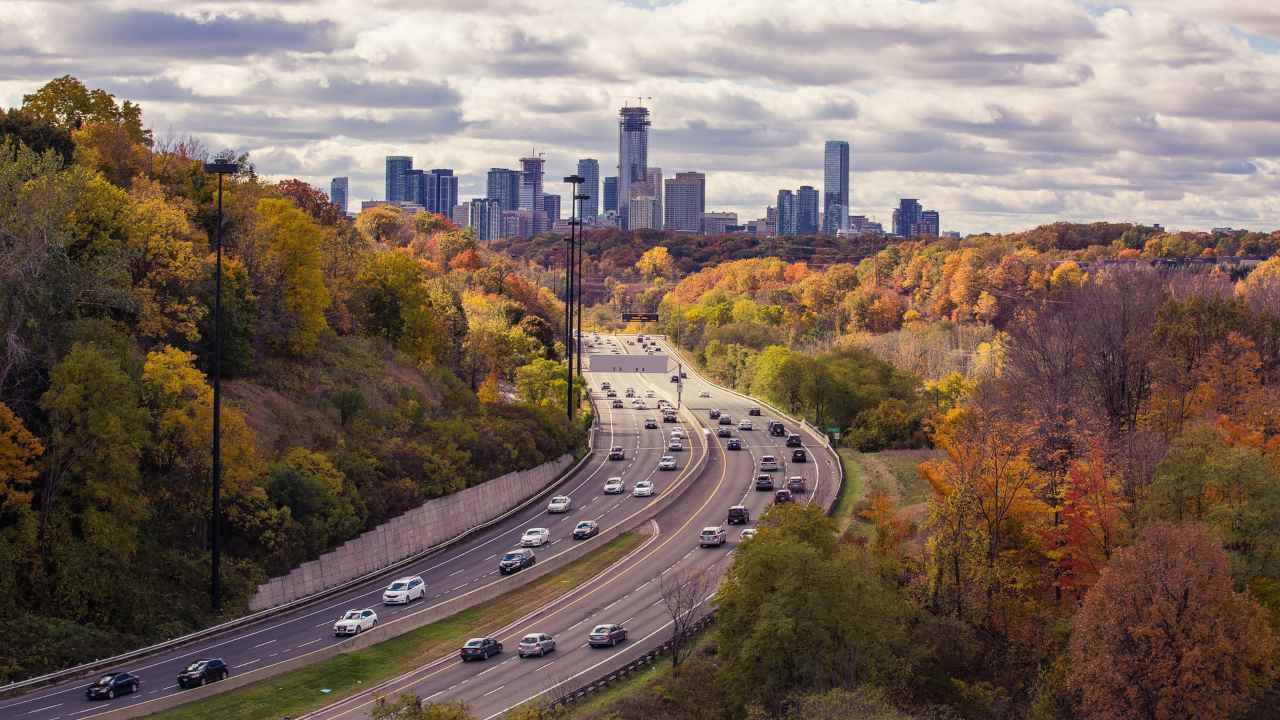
(628, 594)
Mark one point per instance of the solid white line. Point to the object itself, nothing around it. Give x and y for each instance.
(310, 642)
(47, 707)
(263, 643)
(493, 691)
(246, 664)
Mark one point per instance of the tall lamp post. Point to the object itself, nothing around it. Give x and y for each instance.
(215, 511)
(570, 263)
(582, 249)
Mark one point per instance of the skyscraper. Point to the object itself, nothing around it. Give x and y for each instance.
(643, 209)
(835, 187)
(807, 211)
(589, 169)
(686, 201)
(653, 178)
(503, 185)
(486, 218)
(441, 191)
(906, 217)
(415, 187)
(633, 155)
(928, 225)
(338, 193)
(610, 195)
(398, 167)
(531, 192)
(786, 213)
(551, 206)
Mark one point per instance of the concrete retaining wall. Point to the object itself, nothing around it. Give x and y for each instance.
(429, 524)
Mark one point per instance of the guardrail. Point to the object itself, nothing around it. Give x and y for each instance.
(95, 666)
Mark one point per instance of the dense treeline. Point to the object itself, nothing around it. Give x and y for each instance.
(367, 367)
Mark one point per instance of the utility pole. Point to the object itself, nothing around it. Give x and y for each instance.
(572, 265)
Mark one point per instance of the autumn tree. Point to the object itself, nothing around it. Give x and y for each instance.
(1164, 635)
(294, 288)
(164, 266)
(67, 103)
(383, 225)
(656, 262)
(1093, 521)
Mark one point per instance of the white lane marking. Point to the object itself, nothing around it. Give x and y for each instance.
(459, 588)
(493, 691)
(246, 664)
(47, 707)
(309, 642)
(438, 692)
(81, 712)
(263, 643)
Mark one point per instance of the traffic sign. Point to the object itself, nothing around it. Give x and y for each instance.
(640, 316)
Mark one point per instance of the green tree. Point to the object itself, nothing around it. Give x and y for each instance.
(296, 277)
(542, 383)
(164, 265)
(37, 134)
(324, 506)
(68, 104)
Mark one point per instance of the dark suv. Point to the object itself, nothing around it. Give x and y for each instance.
(203, 671)
(799, 455)
(754, 411)
(739, 515)
(764, 483)
(796, 484)
(516, 560)
(616, 453)
(793, 440)
(777, 429)
(713, 414)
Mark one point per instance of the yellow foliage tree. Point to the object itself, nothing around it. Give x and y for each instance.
(164, 265)
(19, 450)
(655, 262)
(293, 252)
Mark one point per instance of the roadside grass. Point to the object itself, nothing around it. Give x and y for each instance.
(617, 693)
(306, 689)
(853, 491)
(912, 488)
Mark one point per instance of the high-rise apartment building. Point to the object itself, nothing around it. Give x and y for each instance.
(771, 221)
(906, 217)
(686, 201)
(531, 192)
(835, 187)
(503, 185)
(928, 225)
(589, 209)
(486, 218)
(609, 194)
(441, 191)
(633, 155)
(643, 208)
(338, 193)
(807, 211)
(551, 206)
(398, 167)
(461, 215)
(786, 213)
(653, 176)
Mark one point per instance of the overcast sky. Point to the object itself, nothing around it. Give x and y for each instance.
(1001, 114)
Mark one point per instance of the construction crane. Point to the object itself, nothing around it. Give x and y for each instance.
(638, 98)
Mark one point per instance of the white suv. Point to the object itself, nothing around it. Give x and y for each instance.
(404, 591)
(559, 504)
(768, 462)
(712, 536)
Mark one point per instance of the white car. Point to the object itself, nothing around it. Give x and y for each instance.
(559, 504)
(615, 486)
(404, 591)
(744, 425)
(535, 537)
(677, 431)
(644, 488)
(768, 463)
(704, 394)
(747, 534)
(355, 622)
(675, 445)
(713, 536)
(667, 463)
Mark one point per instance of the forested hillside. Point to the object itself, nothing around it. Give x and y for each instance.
(367, 367)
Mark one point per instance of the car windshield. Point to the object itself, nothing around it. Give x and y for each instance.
(529, 639)
(195, 666)
(105, 680)
(584, 526)
(353, 615)
(511, 556)
(398, 586)
(475, 642)
(601, 629)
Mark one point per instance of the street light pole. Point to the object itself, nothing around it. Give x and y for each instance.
(571, 263)
(215, 510)
(582, 249)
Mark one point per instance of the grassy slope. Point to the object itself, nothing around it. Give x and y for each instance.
(300, 691)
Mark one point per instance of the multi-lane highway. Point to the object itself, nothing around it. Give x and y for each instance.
(628, 594)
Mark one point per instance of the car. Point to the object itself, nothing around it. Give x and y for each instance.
(754, 411)
(726, 419)
(638, 404)
(676, 445)
(667, 463)
(631, 392)
(481, 648)
(535, 645)
(782, 496)
(615, 486)
(560, 504)
(724, 432)
(650, 424)
(585, 529)
(793, 440)
(745, 425)
(747, 534)
(777, 429)
(535, 537)
(768, 463)
(617, 405)
(799, 455)
(704, 394)
(644, 488)
(733, 444)
(713, 536)
(405, 590)
(795, 484)
(675, 378)
(606, 385)
(739, 515)
(611, 394)
(203, 671)
(607, 635)
(112, 684)
(516, 560)
(677, 431)
(617, 453)
(713, 414)
(764, 483)
(684, 375)
(355, 622)
(668, 417)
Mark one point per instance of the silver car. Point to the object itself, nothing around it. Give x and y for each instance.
(535, 645)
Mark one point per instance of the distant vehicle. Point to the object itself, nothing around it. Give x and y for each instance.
(404, 591)
(675, 445)
(768, 463)
(724, 432)
(712, 536)
(754, 411)
(704, 394)
(606, 635)
(668, 417)
(733, 444)
(764, 483)
(677, 431)
(112, 684)
(796, 484)
(203, 671)
(480, 649)
(713, 414)
(739, 515)
(793, 440)
(585, 529)
(799, 455)
(726, 419)
(638, 404)
(605, 385)
(644, 488)
(617, 453)
(535, 644)
(747, 534)
(615, 486)
(516, 560)
(617, 404)
(777, 429)
(745, 425)
(535, 537)
(650, 424)
(355, 622)
(782, 496)
(675, 378)
(559, 504)
(667, 463)
(611, 394)
(684, 374)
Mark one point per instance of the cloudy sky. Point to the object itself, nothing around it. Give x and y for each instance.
(1001, 114)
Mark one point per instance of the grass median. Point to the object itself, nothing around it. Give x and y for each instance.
(300, 691)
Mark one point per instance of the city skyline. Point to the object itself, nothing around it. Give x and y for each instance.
(1084, 112)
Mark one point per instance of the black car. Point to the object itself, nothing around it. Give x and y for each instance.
(726, 419)
(586, 529)
(650, 424)
(668, 417)
(480, 649)
(799, 455)
(782, 496)
(516, 560)
(616, 453)
(111, 685)
(793, 440)
(203, 671)
(764, 483)
(739, 515)
(612, 394)
(607, 635)
(754, 411)
(733, 444)
(796, 484)
(777, 429)
(714, 414)
(724, 432)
